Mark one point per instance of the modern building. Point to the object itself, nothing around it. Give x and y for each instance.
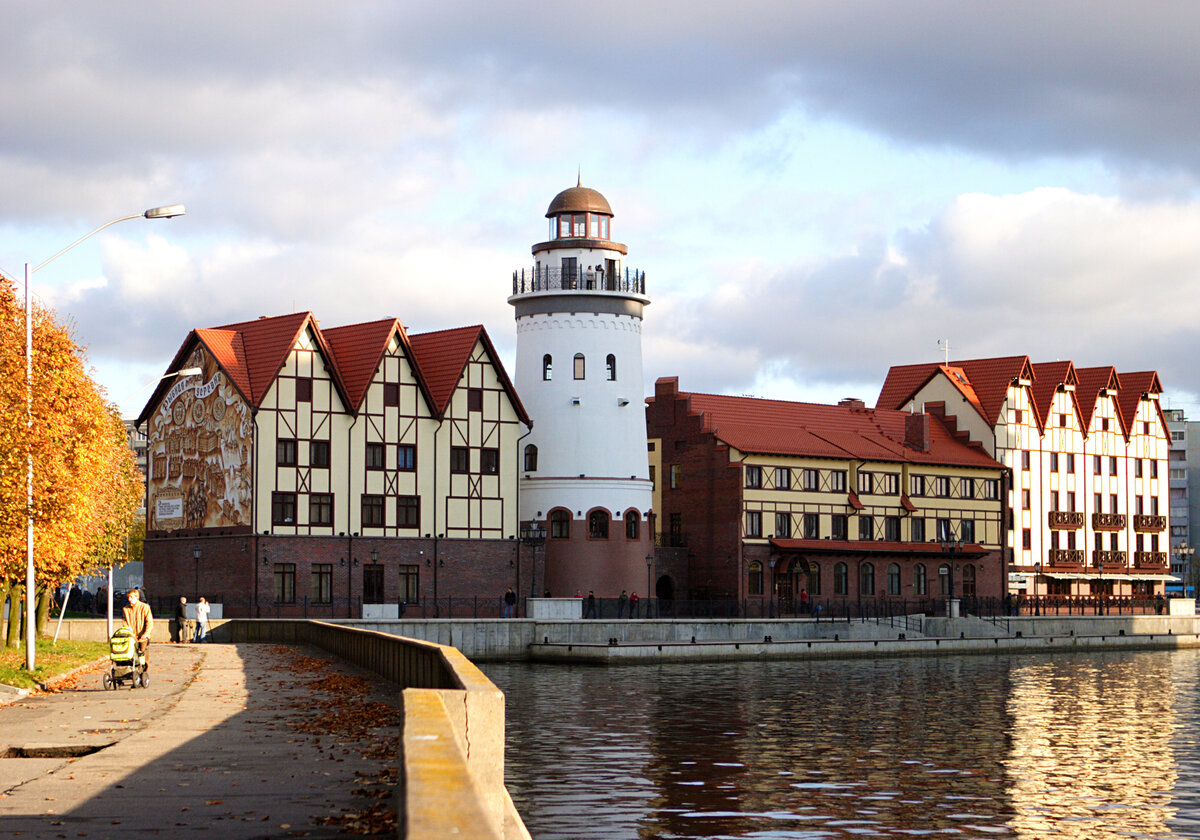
(1086, 454)
(584, 472)
(843, 503)
(334, 471)
(1182, 470)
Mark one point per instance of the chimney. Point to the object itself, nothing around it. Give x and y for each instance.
(851, 402)
(916, 431)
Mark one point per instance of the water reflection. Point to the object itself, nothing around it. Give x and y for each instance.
(1061, 746)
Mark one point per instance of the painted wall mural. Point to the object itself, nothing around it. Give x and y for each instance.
(199, 452)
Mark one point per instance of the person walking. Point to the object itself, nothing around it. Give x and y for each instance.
(510, 602)
(183, 625)
(202, 611)
(139, 619)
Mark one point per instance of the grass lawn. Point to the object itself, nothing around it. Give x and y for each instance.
(51, 661)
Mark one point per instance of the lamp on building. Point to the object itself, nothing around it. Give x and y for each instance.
(374, 556)
(196, 556)
(30, 585)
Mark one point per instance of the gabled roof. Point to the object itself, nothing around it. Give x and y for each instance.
(988, 381)
(775, 427)
(442, 357)
(1135, 386)
(1047, 377)
(359, 349)
(1087, 392)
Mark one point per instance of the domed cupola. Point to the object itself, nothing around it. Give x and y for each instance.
(580, 213)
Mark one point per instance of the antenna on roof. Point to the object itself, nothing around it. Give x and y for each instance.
(579, 177)
(944, 343)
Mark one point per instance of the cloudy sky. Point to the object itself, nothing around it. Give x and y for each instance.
(815, 190)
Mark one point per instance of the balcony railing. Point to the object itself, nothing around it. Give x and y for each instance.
(1066, 519)
(1065, 557)
(1108, 522)
(1149, 523)
(539, 279)
(1150, 559)
(1108, 558)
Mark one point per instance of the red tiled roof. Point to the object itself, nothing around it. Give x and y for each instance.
(986, 386)
(1091, 380)
(358, 350)
(1133, 387)
(875, 546)
(825, 431)
(443, 355)
(1047, 376)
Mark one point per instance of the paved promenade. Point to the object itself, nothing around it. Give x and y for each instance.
(229, 740)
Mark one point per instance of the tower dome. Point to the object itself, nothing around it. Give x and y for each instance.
(579, 199)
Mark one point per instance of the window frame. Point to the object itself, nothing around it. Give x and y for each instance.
(460, 460)
(375, 455)
(373, 502)
(285, 452)
(281, 502)
(408, 512)
(320, 509)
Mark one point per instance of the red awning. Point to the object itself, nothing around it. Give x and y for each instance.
(854, 502)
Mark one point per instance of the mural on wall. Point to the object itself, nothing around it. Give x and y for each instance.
(199, 452)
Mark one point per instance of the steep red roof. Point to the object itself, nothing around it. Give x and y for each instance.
(358, 350)
(986, 385)
(1091, 380)
(266, 343)
(1047, 376)
(1134, 386)
(775, 427)
(443, 355)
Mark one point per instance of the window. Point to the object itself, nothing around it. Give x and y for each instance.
(285, 583)
(1054, 500)
(408, 511)
(968, 580)
(1154, 505)
(754, 580)
(1025, 500)
(610, 367)
(916, 485)
(530, 457)
(373, 583)
(410, 584)
(783, 478)
(943, 530)
(1138, 504)
(285, 452)
(753, 477)
(753, 524)
(991, 488)
(1139, 543)
(489, 461)
(676, 529)
(812, 526)
(1017, 415)
(1071, 500)
(560, 525)
(840, 581)
(475, 399)
(460, 459)
(891, 528)
(966, 530)
(966, 488)
(865, 482)
(1054, 461)
(675, 477)
(406, 457)
(1026, 539)
(318, 454)
(1025, 459)
(893, 579)
(1062, 420)
(653, 478)
(1071, 540)
(1112, 464)
(598, 525)
(918, 530)
(320, 509)
(814, 579)
(866, 579)
(1070, 462)
(783, 525)
(632, 524)
(887, 484)
(866, 528)
(941, 486)
(1112, 501)
(1104, 424)
(811, 480)
(837, 481)
(945, 582)
(1114, 543)
(1097, 465)
(579, 366)
(391, 394)
(547, 368)
(1137, 468)
(283, 508)
(919, 587)
(372, 511)
(376, 455)
(1153, 469)
(322, 583)
(840, 527)
(303, 391)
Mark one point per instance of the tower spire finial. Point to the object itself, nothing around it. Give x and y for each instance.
(579, 177)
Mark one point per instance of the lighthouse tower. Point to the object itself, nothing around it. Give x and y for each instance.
(585, 471)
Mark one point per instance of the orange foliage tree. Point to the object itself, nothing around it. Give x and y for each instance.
(87, 487)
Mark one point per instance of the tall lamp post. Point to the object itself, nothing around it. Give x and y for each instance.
(1037, 573)
(167, 212)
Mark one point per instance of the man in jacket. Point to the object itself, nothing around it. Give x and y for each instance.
(139, 619)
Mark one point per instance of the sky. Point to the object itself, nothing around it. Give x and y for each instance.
(816, 191)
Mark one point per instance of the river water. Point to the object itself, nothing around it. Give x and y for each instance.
(1039, 746)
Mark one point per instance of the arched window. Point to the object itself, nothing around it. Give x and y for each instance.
(547, 367)
(944, 579)
(632, 524)
(919, 580)
(814, 579)
(893, 579)
(610, 367)
(968, 580)
(754, 579)
(598, 525)
(839, 579)
(530, 458)
(579, 366)
(560, 525)
(866, 579)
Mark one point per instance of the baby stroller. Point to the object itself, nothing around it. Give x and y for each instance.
(127, 663)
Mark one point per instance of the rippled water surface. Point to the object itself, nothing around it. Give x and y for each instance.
(1062, 746)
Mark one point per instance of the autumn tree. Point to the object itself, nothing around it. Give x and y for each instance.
(87, 486)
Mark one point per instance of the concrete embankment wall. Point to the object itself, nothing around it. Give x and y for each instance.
(453, 743)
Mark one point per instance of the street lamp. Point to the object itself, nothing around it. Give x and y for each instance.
(1037, 572)
(167, 212)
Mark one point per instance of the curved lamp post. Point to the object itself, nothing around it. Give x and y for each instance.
(167, 212)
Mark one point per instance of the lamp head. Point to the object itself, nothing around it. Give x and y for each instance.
(168, 212)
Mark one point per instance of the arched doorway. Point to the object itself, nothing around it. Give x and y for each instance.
(791, 576)
(664, 589)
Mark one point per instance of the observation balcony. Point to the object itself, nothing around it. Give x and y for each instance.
(540, 279)
(1071, 519)
(1108, 559)
(1059, 557)
(1108, 522)
(1150, 560)
(1149, 523)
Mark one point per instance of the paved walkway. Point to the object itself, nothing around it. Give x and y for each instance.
(237, 740)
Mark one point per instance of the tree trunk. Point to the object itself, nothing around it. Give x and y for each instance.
(15, 600)
(45, 597)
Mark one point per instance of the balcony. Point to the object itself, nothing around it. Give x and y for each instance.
(1150, 560)
(1149, 523)
(541, 279)
(1108, 559)
(1066, 557)
(1108, 522)
(1071, 519)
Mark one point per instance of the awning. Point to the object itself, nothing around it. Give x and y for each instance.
(1026, 576)
(854, 502)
